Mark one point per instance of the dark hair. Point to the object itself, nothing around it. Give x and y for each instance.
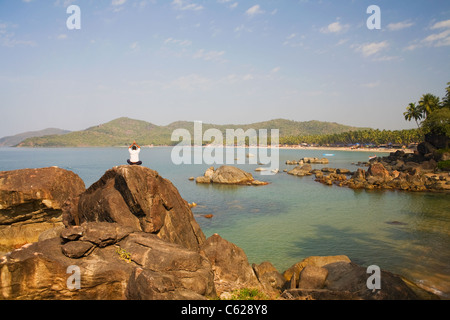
(134, 147)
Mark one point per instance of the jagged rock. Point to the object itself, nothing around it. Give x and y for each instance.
(378, 172)
(141, 199)
(31, 202)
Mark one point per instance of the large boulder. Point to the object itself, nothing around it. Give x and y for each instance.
(377, 171)
(139, 198)
(337, 278)
(301, 171)
(31, 202)
(114, 262)
(229, 175)
(317, 261)
(230, 265)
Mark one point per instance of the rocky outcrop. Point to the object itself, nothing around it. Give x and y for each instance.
(393, 173)
(139, 198)
(131, 236)
(31, 202)
(229, 175)
(230, 265)
(301, 171)
(114, 262)
(308, 160)
(337, 278)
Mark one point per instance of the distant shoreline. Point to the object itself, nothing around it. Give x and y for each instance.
(373, 150)
(377, 150)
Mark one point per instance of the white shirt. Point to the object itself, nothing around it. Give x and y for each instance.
(134, 154)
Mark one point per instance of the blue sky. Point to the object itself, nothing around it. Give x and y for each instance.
(218, 61)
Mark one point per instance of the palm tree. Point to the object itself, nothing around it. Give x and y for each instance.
(428, 103)
(446, 100)
(413, 112)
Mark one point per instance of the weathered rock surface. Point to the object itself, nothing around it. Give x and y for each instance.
(399, 171)
(269, 277)
(31, 202)
(337, 278)
(115, 262)
(300, 171)
(229, 175)
(135, 238)
(230, 265)
(141, 199)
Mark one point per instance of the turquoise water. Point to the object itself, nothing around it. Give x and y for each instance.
(292, 217)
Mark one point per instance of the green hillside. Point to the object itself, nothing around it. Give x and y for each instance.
(13, 140)
(122, 132)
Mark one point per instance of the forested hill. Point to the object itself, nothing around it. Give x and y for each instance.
(122, 132)
(13, 140)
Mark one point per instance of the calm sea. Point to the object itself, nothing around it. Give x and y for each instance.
(292, 218)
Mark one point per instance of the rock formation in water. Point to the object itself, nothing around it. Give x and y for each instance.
(399, 171)
(229, 175)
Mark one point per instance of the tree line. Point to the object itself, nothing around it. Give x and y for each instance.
(363, 137)
(431, 114)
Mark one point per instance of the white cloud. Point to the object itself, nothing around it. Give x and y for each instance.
(369, 49)
(439, 39)
(135, 46)
(441, 24)
(291, 36)
(186, 5)
(291, 40)
(256, 9)
(399, 25)
(182, 43)
(118, 2)
(63, 3)
(8, 37)
(216, 56)
(276, 69)
(335, 27)
(231, 6)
